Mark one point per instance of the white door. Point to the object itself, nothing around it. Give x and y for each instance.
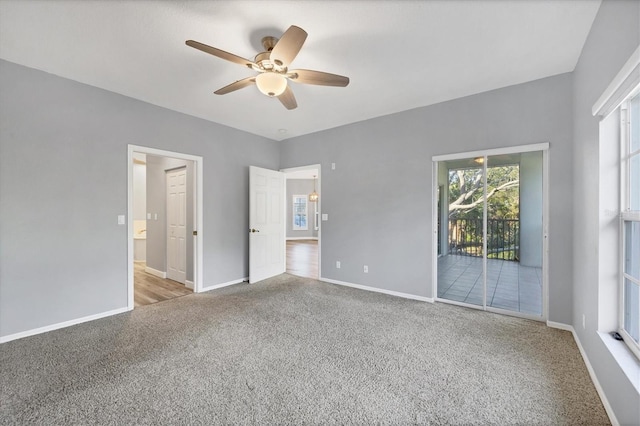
(266, 224)
(177, 225)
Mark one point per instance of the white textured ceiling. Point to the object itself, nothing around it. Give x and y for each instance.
(399, 55)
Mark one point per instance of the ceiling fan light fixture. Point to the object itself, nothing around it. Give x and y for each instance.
(271, 84)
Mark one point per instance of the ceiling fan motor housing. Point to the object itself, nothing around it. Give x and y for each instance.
(263, 62)
(269, 43)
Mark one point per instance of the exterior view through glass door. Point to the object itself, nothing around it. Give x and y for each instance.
(490, 232)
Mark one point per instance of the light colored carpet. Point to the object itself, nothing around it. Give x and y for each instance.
(290, 350)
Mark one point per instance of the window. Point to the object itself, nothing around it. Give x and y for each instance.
(300, 213)
(630, 223)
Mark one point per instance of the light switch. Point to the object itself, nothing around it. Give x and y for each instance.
(148, 216)
(325, 217)
(155, 216)
(333, 166)
(121, 219)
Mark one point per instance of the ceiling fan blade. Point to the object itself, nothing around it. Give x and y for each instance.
(219, 53)
(318, 77)
(288, 46)
(236, 85)
(287, 99)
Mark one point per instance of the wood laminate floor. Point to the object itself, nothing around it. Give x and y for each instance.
(302, 258)
(148, 289)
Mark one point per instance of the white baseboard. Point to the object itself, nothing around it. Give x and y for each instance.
(188, 284)
(64, 324)
(228, 283)
(592, 373)
(160, 274)
(378, 290)
(301, 238)
(560, 326)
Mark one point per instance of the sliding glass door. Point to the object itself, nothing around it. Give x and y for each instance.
(490, 232)
(460, 266)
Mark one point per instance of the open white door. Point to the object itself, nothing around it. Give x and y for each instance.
(177, 225)
(266, 223)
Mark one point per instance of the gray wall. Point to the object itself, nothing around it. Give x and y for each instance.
(531, 205)
(157, 204)
(379, 196)
(297, 187)
(614, 36)
(63, 181)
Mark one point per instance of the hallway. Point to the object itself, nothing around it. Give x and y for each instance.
(302, 258)
(149, 289)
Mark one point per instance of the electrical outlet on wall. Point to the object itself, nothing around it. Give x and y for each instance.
(366, 269)
(337, 264)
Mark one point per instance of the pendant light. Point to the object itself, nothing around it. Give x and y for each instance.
(313, 197)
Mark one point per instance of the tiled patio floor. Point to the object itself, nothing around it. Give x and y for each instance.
(509, 285)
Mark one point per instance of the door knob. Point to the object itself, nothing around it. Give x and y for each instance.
(254, 230)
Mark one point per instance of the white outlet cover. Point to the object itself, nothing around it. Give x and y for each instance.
(121, 220)
(325, 217)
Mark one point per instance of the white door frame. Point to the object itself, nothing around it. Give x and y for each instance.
(197, 212)
(544, 147)
(317, 167)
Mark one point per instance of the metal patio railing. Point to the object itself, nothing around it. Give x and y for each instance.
(503, 238)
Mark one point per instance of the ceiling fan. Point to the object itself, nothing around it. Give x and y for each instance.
(272, 66)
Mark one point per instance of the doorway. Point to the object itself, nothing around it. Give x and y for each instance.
(490, 219)
(165, 226)
(302, 251)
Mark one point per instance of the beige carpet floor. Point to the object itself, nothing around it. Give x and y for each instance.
(290, 350)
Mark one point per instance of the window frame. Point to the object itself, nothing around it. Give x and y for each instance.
(626, 214)
(294, 202)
